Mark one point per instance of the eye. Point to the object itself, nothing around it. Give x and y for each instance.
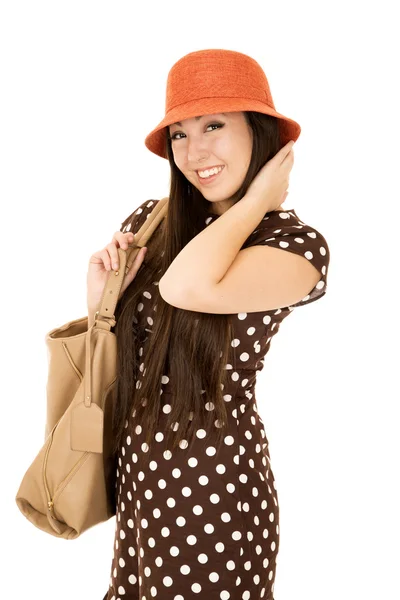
(218, 125)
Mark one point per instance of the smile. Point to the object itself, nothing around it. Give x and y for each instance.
(207, 180)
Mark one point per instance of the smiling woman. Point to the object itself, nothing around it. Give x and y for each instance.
(189, 354)
(222, 140)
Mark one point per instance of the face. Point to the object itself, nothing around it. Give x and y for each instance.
(218, 140)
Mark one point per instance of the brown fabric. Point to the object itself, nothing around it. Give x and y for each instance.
(285, 230)
(199, 523)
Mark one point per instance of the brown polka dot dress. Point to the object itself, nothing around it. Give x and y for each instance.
(196, 525)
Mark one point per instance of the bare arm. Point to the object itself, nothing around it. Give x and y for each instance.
(207, 257)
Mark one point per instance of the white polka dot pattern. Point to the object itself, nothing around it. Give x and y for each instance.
(135, 220)
(284, 230)
(204, 523)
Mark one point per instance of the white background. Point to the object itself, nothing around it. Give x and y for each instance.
(82, 84)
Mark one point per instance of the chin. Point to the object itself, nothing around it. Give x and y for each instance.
(216, 195)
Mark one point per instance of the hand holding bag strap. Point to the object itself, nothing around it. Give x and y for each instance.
(105, 317)
(115, 279)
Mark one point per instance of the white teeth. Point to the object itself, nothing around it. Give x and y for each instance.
(209, 172)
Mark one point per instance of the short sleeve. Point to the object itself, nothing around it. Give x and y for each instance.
(284, 230)
(135, 220)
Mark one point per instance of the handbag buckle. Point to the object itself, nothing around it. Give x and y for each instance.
(110, 320)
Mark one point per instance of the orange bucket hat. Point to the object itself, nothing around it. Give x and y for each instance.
(213, 81)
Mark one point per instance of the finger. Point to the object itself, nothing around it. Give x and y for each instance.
(110, 256)
(129, 237)
(288, 148)
(101, 258)
(122, 239)
(137, 261)
(107, 260)
(284, 153)
(114, 258)
(288, 159)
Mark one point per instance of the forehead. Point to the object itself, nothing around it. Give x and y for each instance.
(195, 119)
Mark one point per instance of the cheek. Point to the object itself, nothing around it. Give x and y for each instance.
(221, 149)
(232, 151)
(178, 161)
(180, 158)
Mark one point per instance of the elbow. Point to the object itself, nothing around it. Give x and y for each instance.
(171, 293)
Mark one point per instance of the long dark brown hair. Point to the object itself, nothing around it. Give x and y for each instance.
(192, 347)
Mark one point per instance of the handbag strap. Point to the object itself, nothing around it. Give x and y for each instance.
(105, 317)
(115, 279)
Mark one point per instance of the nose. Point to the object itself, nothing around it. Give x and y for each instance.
(196, 150)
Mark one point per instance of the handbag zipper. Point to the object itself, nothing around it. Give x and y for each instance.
(50, 499)
(50, 502)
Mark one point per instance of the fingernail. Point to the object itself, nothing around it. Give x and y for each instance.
(115, 266)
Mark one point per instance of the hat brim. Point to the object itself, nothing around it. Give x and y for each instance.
(155, 141)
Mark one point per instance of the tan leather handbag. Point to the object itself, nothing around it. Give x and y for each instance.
(70, 485)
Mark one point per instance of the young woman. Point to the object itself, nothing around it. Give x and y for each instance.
(197, 507)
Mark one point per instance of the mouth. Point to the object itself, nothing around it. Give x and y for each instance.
(207, 180)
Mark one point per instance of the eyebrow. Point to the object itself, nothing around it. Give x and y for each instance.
(197, 118)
